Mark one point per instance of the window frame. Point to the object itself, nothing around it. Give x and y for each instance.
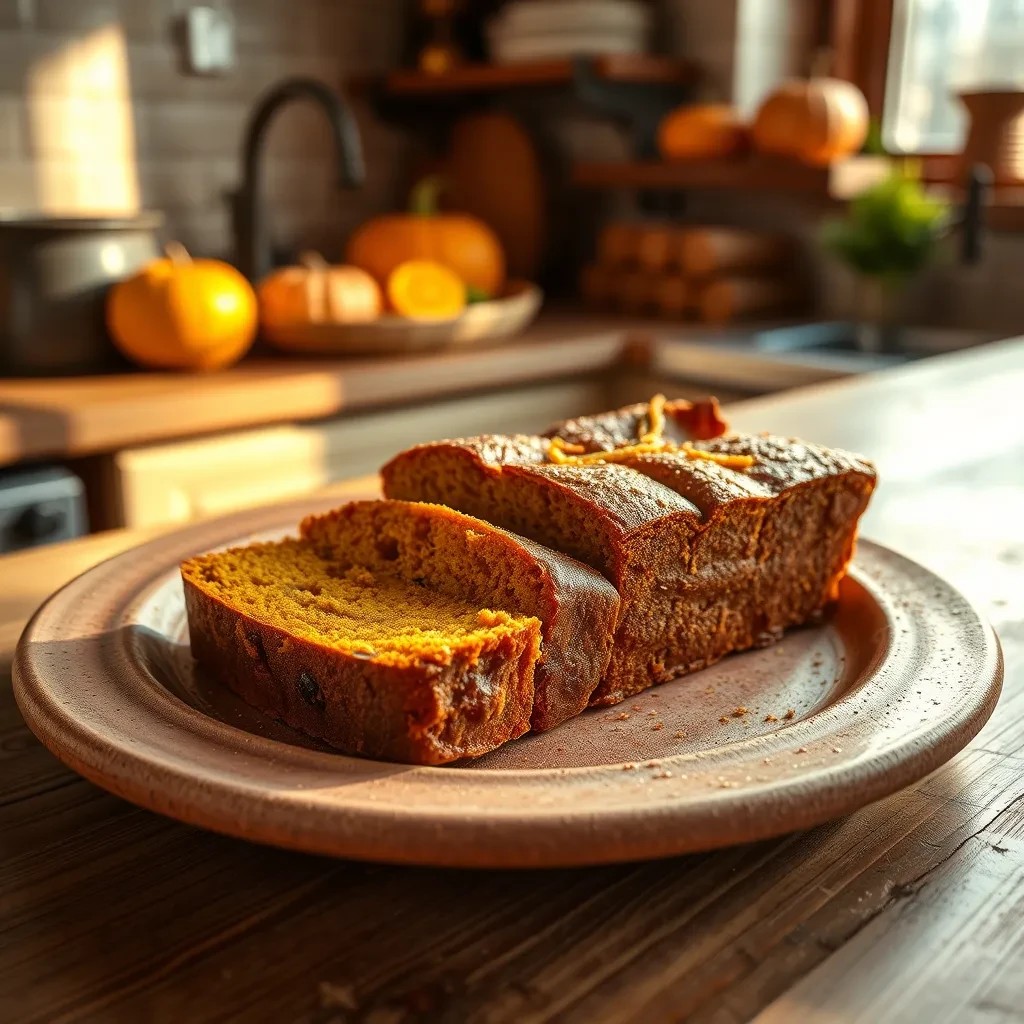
(859, 34)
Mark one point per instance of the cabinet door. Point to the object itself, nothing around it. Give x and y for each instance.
(175, 483)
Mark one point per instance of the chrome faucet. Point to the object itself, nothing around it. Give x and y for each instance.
(253, 253)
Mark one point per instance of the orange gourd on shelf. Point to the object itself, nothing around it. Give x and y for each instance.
(183, 314)
(815, 120)
(701, 132)
(461, 242)
(315, 292)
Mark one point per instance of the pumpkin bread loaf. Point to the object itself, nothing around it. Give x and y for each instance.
(715, 543)
(373, 664)
(466, 558)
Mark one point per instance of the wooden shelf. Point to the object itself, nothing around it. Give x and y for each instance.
(480, 78)
(1006, 213)
(839, 180)
(635, 89)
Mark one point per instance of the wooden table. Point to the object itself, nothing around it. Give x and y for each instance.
(911, 910)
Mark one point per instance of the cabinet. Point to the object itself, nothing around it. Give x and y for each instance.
(178, 482)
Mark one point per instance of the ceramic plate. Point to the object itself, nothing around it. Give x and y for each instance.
(892, 684)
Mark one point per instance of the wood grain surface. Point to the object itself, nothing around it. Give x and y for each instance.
(910, 910)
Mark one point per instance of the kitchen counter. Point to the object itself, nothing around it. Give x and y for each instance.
(85, 415)
(909, 910)
(81, 416)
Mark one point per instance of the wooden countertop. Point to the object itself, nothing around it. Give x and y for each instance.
(84, 415)
(909, 910)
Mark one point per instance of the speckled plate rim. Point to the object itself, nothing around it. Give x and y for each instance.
(933, 678)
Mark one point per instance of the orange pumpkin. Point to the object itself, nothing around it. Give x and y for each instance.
(316, 293)
(463, 243)
(702, 131)
(816, 120)
(183, 314)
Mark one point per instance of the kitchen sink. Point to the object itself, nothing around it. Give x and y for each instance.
(839, 337)
(775, 358)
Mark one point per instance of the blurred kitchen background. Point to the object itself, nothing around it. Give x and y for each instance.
(252, 247)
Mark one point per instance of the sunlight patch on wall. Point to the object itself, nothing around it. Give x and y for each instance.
(81, 132)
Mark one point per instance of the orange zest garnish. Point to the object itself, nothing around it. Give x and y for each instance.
(719, 458)
(652, 442)
(655, 421)
(561, 457)
(615, 455)
(567, 446)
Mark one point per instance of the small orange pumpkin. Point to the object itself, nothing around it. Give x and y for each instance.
(183, 314)
(317, 293)
(463, 243)
(701, 132)
(815, 120)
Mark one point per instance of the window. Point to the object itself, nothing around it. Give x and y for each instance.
(911, 57)
(936, 48)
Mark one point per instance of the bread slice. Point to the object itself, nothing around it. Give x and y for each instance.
(467, 558)
(713, 548)
(372, 664)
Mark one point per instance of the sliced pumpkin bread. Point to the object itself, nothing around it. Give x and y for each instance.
(373, 664)
(714, 542)
(467, 558)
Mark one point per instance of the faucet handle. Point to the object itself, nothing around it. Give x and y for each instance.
(972, 217)
(252, 237)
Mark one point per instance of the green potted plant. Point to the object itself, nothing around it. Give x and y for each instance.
(889, 234)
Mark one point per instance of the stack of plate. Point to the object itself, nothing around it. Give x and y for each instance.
(549, 29)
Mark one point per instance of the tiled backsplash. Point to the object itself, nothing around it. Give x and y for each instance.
(96, 114)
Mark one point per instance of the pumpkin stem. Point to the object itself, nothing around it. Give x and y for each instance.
(425, 195)
(312, 260)
(821, 62)
(177, 253)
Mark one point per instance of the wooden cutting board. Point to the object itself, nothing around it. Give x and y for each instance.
(495, 173)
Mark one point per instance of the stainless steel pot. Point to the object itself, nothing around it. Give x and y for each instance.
(54, 276)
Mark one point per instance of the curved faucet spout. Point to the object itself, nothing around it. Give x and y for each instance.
(252, 241)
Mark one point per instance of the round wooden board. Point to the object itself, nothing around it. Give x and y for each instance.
(897, 680)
